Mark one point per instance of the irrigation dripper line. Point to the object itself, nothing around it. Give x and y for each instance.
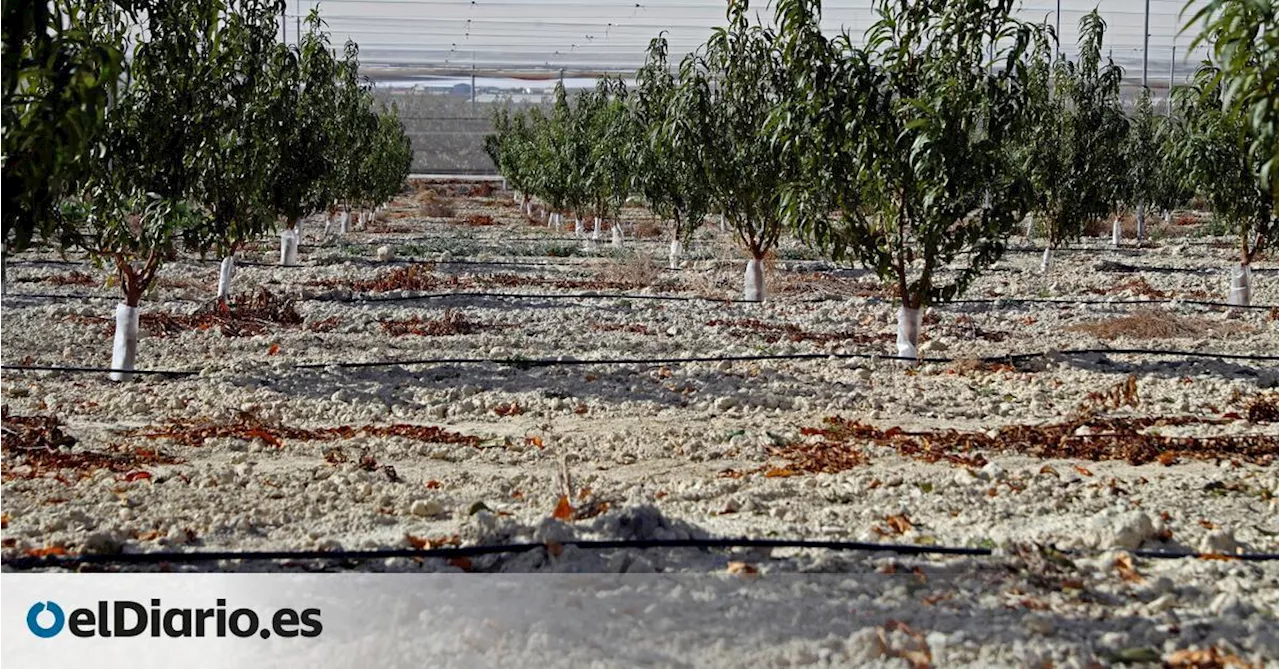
(550, 296)
(1056, 300)
(97, 370)
(546, 362)
(63, 561)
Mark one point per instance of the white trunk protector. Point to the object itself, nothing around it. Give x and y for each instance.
(722, 228)
(124, 351)
(617, 236)
(1116, 233)
(1142, 222)
(908, 333)
(226, 272)
(578, 230)
(1046, 261)
(673, 258)
(342, 222)
(1241, 285)
(595, 231)
(288, 248)
(753, 282)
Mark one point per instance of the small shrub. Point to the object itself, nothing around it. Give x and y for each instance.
(437, 209)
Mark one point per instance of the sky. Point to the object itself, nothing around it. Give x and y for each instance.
(447, 37)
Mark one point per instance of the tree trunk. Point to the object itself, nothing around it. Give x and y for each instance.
(578, 229)
(595, 231)
(226, 272)
(908, 334)
(673, 258)
(1142, 223)
(617, 235)
(753, 281)
(1241, 285)
(124, 350)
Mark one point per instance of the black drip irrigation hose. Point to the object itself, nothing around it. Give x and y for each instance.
(547, 362)
(97, 370)
(535, 296)
(179, 557)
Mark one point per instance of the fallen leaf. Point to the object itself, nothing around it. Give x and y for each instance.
(743, 569)
(1208, 525)
(461, 563)
(535, 441)
(137, 476)
(563, 510)
(433, 484)
(274, 350)
(1124, 565)
(1167, 458)
(1082, 471)
(4, 520)
(584, 493)
(899, 523)
(1202, 658)
(44, 552)
(780, 472)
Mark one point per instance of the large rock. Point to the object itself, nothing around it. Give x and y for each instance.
(1124, 530)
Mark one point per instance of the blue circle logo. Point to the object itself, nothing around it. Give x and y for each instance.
(43, 631)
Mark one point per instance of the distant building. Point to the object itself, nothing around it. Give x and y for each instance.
(460, 89)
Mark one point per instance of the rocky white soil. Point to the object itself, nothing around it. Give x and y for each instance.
(683, 449)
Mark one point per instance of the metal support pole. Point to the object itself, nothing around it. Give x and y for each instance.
(1146, 39)
(473, 90)
(1057, 26)
(1173, 60)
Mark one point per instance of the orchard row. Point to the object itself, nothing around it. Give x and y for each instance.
(917, 153)
(134, 129)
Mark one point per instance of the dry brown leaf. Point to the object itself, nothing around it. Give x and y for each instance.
(780, 472)
(900, 523)
(1081, 470)
(742, 569)
(1200, 658)
(563, 510)
(1124, 565)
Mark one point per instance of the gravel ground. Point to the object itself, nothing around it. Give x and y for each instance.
(685, 450)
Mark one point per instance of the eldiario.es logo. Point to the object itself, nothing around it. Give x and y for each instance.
(124, 618)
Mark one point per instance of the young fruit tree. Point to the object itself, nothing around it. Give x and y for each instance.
(351, 128)
(726, 92)
(1242, 39)
(909, 166)
(1142, 151)
(1073, 146)
(1220, 163)
(513, 151)
(565, 143)
(134, 206)
(252, 105)
(667, 170)
(62, 61)
(297, 185)
(609, 124)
